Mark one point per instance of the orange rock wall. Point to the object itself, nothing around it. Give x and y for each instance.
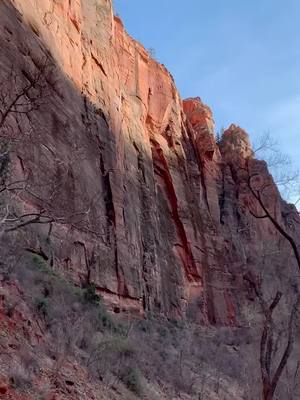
(161, 230)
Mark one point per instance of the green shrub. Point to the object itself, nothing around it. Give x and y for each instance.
(90, 295)
(42, 306)
(131, 377)
(41, 264)
(144, 326)
(163, 331)
(115, 356)
(118, 345)
(105, 322)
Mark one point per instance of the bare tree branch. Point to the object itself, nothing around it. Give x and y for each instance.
(267, 340)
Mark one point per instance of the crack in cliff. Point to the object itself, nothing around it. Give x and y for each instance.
(111, 226)
(222, 197)
(110, 292)
(161, 168)
(201, 166)
(86, 260)
(108, 197)
(235, 178)
(111, 231)
(191, 182)
(98, 63)
(147, 237)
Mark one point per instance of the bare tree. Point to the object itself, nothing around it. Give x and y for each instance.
(285, 176)
(271, 373)
(259, 197)
(28, 97)
(260, 188)
(23, 92)
(111, 359)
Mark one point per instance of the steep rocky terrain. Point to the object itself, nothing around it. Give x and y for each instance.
(113, 180)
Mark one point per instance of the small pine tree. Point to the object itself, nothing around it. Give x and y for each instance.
(152, 52)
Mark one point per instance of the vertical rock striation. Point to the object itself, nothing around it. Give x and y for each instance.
(146, 204)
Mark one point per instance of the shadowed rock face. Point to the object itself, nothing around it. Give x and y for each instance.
(146, 205)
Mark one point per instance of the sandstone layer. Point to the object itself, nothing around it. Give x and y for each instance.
(119, 185)
(144, 203)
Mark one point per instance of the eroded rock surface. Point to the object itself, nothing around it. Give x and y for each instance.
(145, 203)
(132, 192)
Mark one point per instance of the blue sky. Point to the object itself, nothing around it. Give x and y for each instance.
(242, 57)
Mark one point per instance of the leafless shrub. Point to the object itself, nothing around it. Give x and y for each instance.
(271, 373)
(17, 98)
(20, 379)
(285, 176)
(114, 358)
(21, 93)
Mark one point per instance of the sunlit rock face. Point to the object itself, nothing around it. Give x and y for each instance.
(201, 121)
(199, 115)
(235, 142)
(146, 205)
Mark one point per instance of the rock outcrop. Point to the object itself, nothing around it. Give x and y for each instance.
(141, 199)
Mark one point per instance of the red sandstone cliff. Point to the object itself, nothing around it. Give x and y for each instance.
(159, 227)
(140, 198)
